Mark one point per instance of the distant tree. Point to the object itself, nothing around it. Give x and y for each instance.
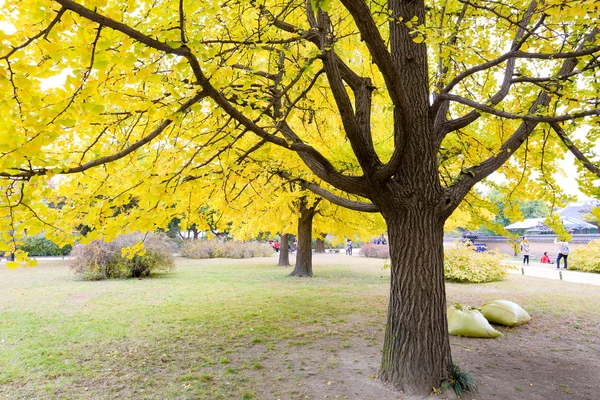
(511, 210)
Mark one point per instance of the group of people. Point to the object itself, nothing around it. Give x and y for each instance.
(277, 246)
(380, 240)
(563, 253)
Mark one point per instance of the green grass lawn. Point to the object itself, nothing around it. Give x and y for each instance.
(215, 329)
(184, 333)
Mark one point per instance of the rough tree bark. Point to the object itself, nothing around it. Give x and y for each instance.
(416, 351)
(284, 251)
(303, 267)
(320, 244)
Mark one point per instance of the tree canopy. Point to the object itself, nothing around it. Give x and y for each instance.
(396, 107)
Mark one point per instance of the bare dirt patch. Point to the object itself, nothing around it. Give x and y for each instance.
(546, 360)
(556, 356)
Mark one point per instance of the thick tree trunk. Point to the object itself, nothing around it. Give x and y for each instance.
(303, 266)
(416, 351)
(284, 251)
(320, 244)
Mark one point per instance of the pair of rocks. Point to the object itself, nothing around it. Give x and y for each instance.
(475, 322)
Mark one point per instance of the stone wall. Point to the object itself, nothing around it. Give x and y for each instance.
(538, 244)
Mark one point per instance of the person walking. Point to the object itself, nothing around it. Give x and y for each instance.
(348, 247)
(525, 250)
(563, 252)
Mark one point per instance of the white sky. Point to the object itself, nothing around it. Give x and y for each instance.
(568, 184)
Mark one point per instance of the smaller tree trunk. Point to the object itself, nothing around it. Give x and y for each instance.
(303, 267)
(320, 245)
(284, 251)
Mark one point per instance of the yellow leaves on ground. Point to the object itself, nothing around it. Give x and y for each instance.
(12, 264)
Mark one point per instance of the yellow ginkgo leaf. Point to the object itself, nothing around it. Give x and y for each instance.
(12, 265)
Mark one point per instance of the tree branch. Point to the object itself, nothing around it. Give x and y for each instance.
(508, 115)
(590, 166)
(377, 49)
(348, 75)
(340, 201)
(182, 51)
(43, 33)
(182, 22)
(518, 54)
(319, 164)
(113, 157)
(361, 142)
(519, 40)
(470, 176)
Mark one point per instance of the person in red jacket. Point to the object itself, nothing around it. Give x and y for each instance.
(276, 246)
(546, 259)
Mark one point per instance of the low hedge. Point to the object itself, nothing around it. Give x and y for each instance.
(102, 260)
(200, 249)
(586, 258)
(463, 264)
(375, 250)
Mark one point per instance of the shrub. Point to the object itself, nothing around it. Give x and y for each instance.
(586, 258)
(461, 381)
(463, 264)
(375, 250)
(39, 246)
(218, 249)
(101, 260)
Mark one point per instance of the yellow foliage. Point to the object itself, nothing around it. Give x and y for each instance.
(131, 251)
(85, 90)
(463, 264)
(12, 264)
(553, 221)
(586, 258)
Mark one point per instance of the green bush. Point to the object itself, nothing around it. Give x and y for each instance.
(586, 258)
(101, 260)
(218, 249)
(39, 246)
(463, 264)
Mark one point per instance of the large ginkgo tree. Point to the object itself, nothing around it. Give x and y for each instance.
(396, 107)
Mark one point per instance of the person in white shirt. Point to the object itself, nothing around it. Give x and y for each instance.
(525, 250)
(563, 252)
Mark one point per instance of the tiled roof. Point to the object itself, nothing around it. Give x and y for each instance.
(580, 210)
